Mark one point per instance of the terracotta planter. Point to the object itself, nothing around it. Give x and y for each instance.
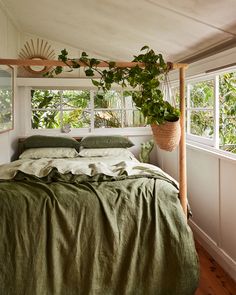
(167, 135)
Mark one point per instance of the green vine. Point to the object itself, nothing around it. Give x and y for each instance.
(145, 80)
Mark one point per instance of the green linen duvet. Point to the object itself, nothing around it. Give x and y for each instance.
(111, 230)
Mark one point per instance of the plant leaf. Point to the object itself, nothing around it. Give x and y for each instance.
(89, 72)
(95, 83)
(144, 47)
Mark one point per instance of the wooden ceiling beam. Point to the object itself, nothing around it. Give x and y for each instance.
(50, 63)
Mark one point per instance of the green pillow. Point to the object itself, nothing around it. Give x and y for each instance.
(113, 141)
(38, 141)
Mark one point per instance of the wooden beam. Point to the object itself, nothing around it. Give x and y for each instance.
(177, 66)
(182, 144)
(50, 63)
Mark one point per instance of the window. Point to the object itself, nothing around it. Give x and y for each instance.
(211, 110)
(53, 109)
(200, 109)
(227, 113)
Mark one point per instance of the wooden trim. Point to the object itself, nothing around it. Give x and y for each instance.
(182, 144)
(50, 63)
(177, 66)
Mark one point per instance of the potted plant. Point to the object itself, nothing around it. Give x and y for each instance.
(145, 78)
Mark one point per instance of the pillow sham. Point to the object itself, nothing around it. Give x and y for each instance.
(59, 152)
(38, 141)
(105, 152)
(113, 141)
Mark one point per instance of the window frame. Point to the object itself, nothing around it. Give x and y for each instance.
(198, 142)
(214, 142)
(133, 131)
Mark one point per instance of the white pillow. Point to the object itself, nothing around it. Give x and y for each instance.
(105, 152)
(58, 152)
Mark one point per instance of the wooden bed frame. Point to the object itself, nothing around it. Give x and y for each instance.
(173, 66)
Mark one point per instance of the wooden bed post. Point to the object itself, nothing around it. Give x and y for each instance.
(182, 144)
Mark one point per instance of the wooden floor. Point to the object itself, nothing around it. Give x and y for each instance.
(213, 281)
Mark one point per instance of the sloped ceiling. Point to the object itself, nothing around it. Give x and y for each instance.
(117, 29)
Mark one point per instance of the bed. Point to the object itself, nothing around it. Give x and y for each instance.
(94, 222)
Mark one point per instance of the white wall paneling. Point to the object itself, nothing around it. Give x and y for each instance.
(168, 161)
(212, 197)
(203, 191)
(228, 207)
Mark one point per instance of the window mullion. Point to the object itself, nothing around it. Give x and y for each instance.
(188, 109)
(123, 115)
(61, 111)
(92, 110)
(216, 111)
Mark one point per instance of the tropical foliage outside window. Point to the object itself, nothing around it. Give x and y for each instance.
(5, 109)
(201, 109)
(6, 98)
(83, 109)
(200, 104)
(88, 109)
(227, 120)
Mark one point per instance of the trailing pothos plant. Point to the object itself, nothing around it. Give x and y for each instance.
(145, 78)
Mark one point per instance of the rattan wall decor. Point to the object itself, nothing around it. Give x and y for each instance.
(37, 50)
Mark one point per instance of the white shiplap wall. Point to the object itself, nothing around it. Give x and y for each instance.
(8, 49)
(212, 197)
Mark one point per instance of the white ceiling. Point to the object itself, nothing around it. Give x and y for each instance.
(118, 29)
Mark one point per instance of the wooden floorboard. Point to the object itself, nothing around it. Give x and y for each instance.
(213, 280)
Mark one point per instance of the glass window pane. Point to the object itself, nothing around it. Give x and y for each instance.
(6, 100)
(43, 99)
(128, 101)
(202, 123)
(107, 119)
(77, 118)
(134, 118)
(202, 94)
(5, 109)
(75, 99)
(227, 130)
(109, 100)
(45, 119)
(175, 95)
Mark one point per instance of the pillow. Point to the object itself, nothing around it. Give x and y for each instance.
(38, 141)
(105, 152)
(59, 152)
(114, 141)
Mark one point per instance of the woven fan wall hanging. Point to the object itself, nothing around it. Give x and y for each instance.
(37, 49)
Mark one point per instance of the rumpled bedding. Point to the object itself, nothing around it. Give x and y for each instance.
(93, 226)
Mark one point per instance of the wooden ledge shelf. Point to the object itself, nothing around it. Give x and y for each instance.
(50, 63)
